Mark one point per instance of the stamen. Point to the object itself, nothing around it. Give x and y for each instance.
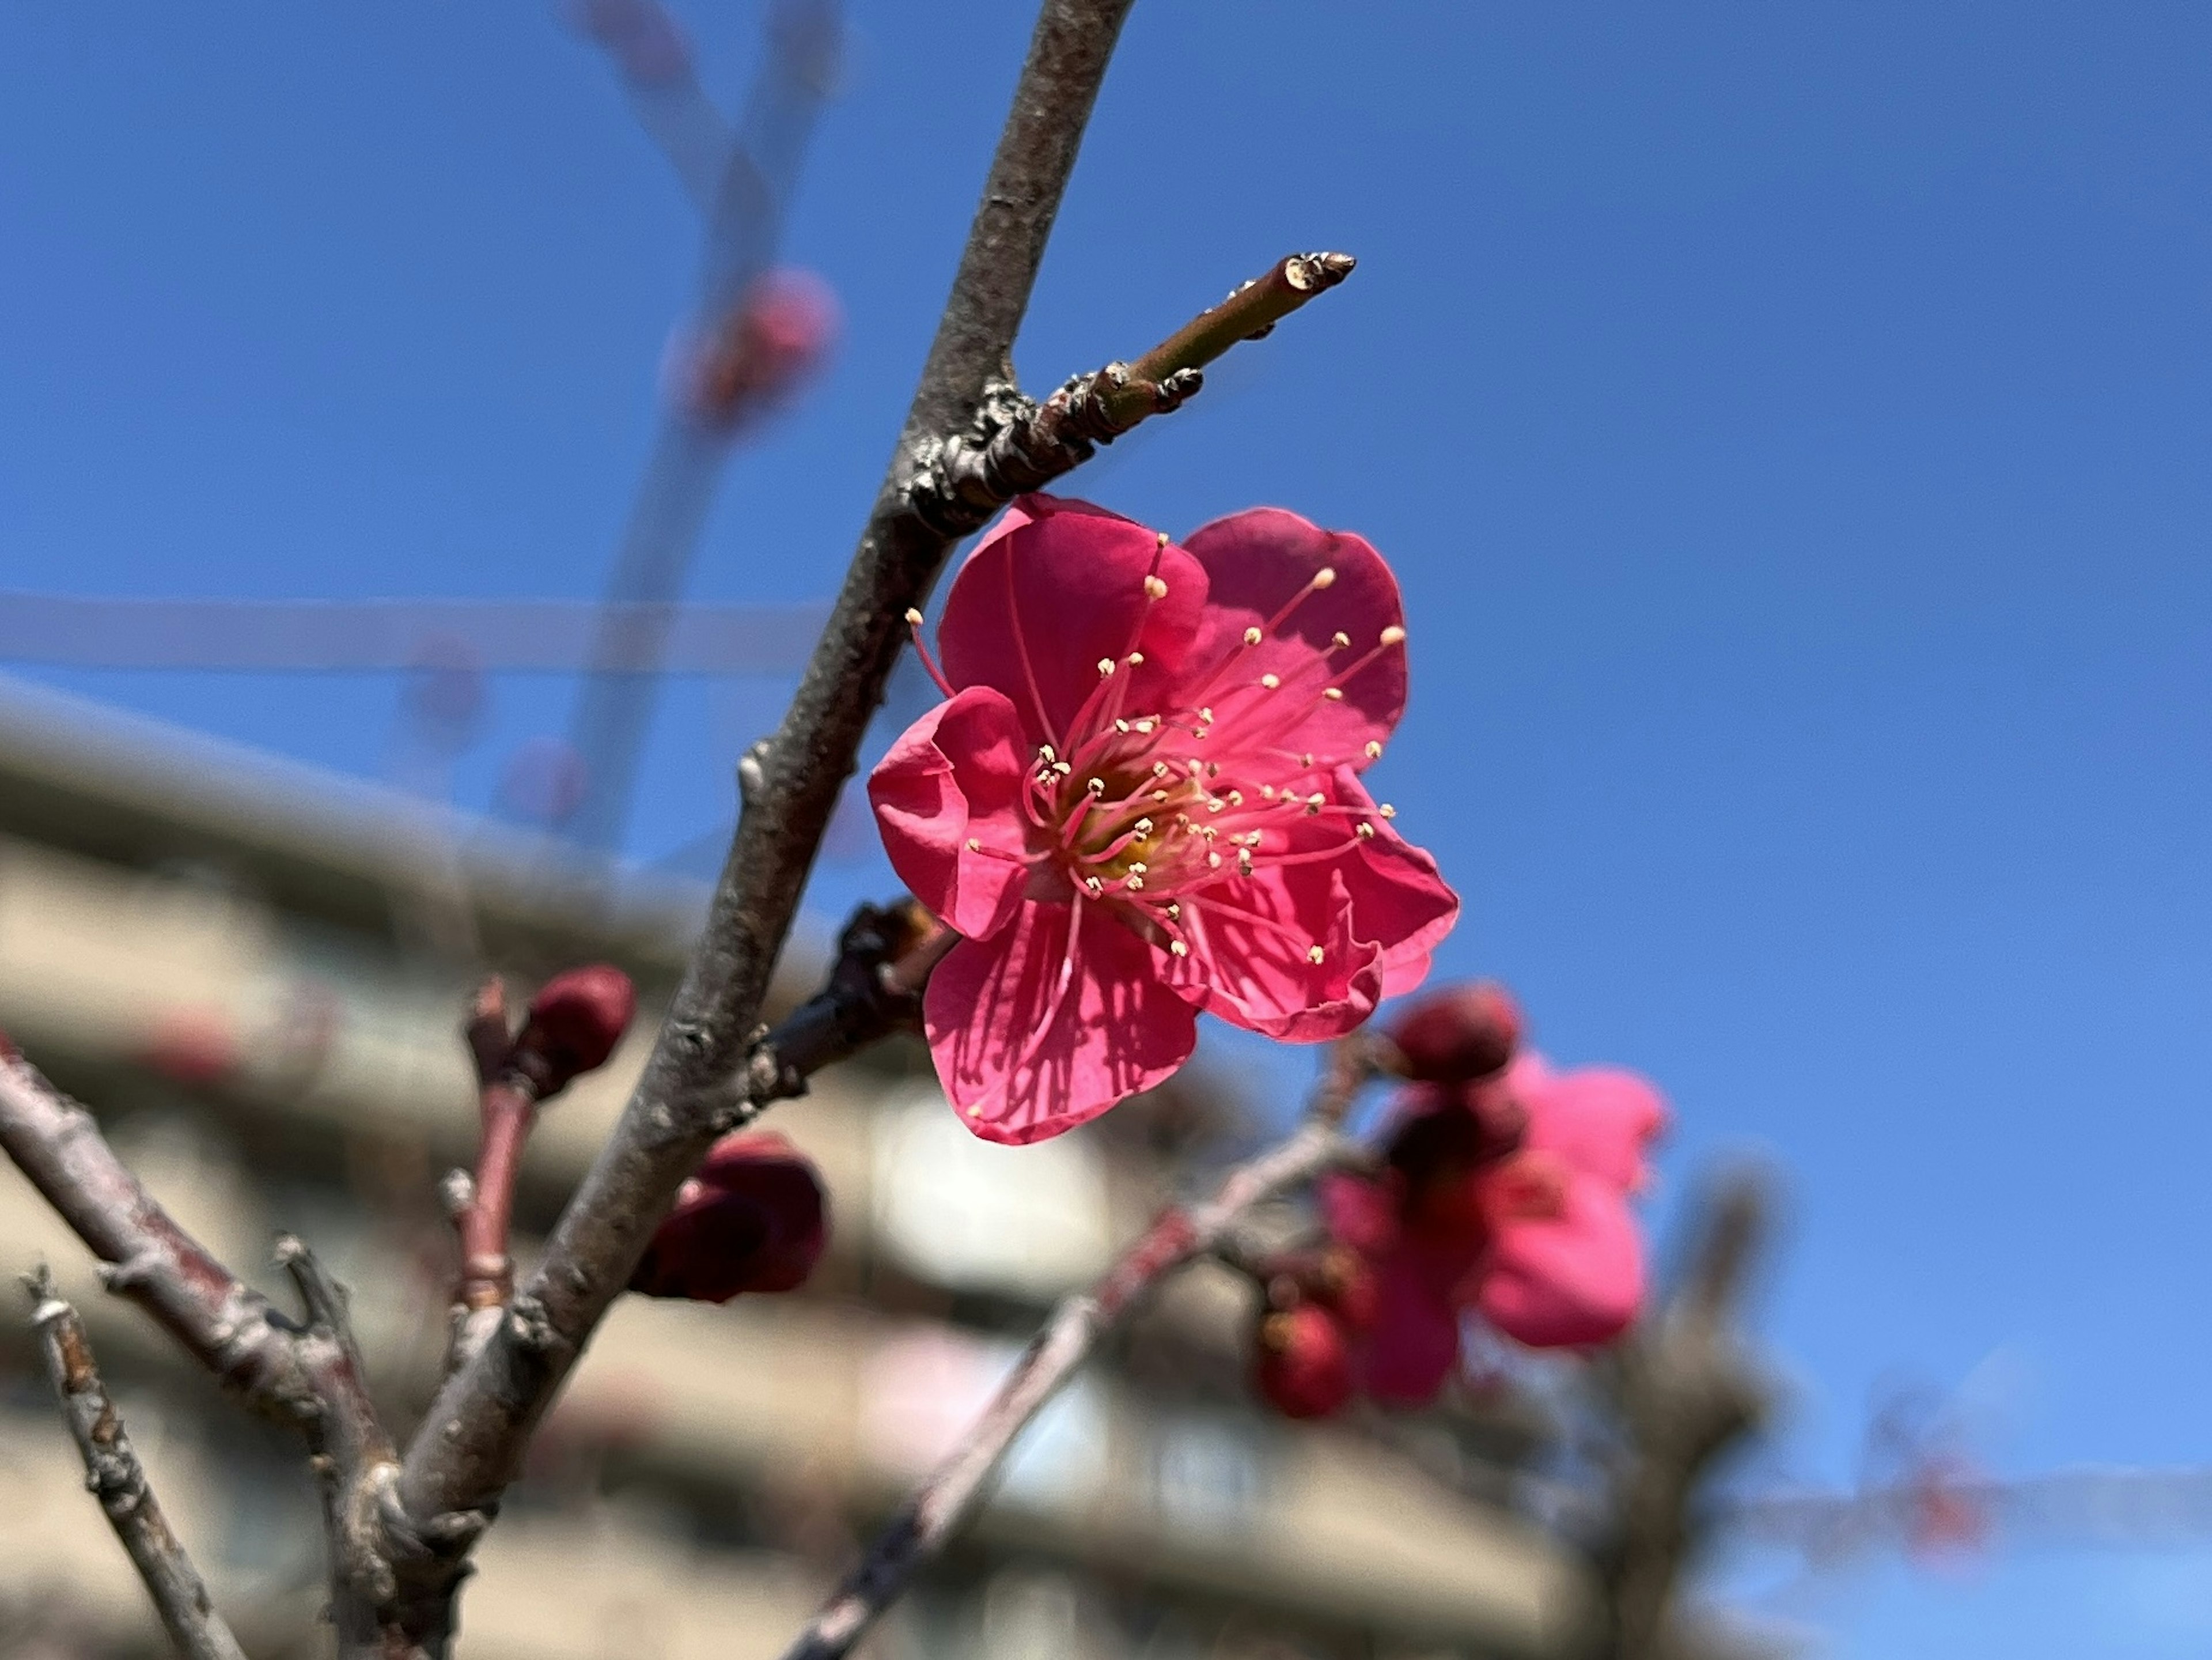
(1323, 577)
(1251, 636)
(1374, 749)
(1366, 831)
(1136, 658)
(1153, 586)
(1388, 811)
(1097, 787)
(1177, 948)
(1314, 953)
(914, 620)
(1105, 666)
(1335, 694)
(1394, 635)
(1339, 639)
(1271, 681)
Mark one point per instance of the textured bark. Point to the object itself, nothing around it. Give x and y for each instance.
(118, 1481)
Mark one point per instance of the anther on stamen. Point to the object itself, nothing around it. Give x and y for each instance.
(1215, 805)
(1175, 911)
(1388, 811)
(912, 618)
(1046, 752)
(1144, 827)
(1306, 760)
(1121, 727)
(1139, 866)
(1145, 725)
(1316, 801)
(1213, 861)
(1374, 749)
(1335, 694)
(1153, 586)
(1136, 658)
(1135, 884)
(1062, 768)
(1323, 577)
(1251, 636)
(974, 844)
(1159, 796)
(1205, 715)
(1159, 768)
(1394, 635)
(1178, 948)
(1094, 884)
(1163, 535)
(1314, 953)
(1339, 639)
(1105, 666)
(1095, 785)
(1271, 681)
(1236, 797)
(1366, 831)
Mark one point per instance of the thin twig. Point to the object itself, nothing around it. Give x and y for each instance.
(471, 1438)
(953, 1493)
(116, 1477)
(1020, 444)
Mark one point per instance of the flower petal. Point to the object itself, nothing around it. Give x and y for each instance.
(1411, 1349)
(1056, 587)
(1569, 1281)
(1399, 899)
(1598, 1119)
(1260, 561)
(1051, 1021)
(956, 775)
(1252, 947)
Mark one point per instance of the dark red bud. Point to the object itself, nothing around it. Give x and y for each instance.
(1458, 1033)
(754, 1218)
(1302, 1362)
(573, 1025)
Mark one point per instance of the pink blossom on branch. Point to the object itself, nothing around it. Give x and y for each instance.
(1141, 799)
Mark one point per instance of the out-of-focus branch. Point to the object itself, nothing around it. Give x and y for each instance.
(472, 1438)
(1686, 1390)
(118, 1481)
(1021, 445)
(953, 1493)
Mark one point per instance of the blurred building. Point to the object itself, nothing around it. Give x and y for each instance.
(254, 973)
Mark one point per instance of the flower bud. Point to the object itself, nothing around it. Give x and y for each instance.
(1302, 1362)
(573, 1025)
(775, 337)
(1459, 1033)
(754, 1218)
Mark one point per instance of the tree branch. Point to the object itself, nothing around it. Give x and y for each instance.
(118, 1479)
(223, 1323)
(472, 1440)
(307, 1378)
(953, 1493)
(1686, 1391)
(1020, 444)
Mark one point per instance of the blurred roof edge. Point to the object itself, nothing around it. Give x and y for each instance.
(126, 788)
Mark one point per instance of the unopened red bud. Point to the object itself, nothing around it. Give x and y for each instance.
(774, 338)
(754, 1218)
(573, 1025)
(1302, 1362)
(1459, 1033)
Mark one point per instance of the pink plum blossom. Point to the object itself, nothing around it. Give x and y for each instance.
(1140, 800)
(1508, 1197)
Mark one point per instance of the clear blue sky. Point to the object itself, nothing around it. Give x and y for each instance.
(1791, 423)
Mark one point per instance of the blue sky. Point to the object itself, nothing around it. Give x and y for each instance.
(1790, 425)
